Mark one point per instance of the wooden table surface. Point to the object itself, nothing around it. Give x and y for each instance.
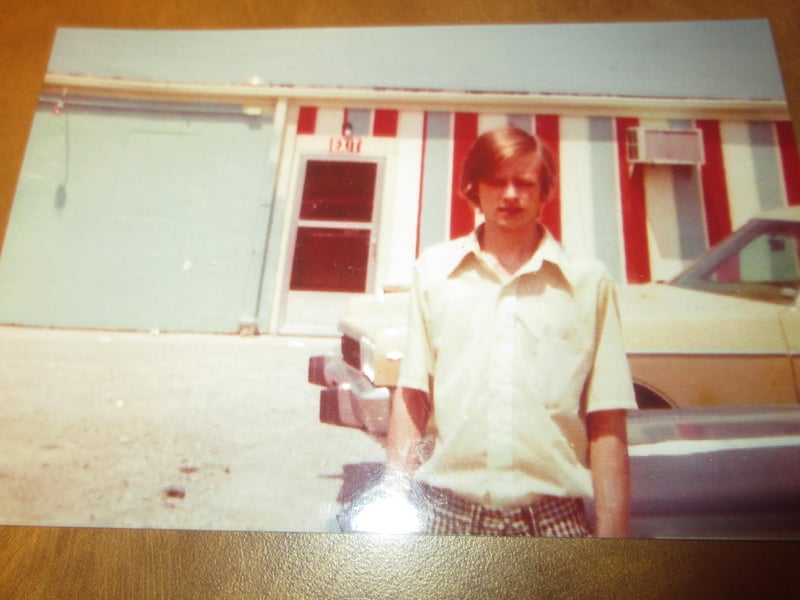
(39, 562)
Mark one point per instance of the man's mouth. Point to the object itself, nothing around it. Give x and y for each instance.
(509, 211)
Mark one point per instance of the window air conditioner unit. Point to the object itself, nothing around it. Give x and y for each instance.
(665, 146)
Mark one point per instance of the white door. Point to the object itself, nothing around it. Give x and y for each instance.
(332, 251)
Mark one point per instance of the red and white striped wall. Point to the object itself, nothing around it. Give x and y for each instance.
(645, 222)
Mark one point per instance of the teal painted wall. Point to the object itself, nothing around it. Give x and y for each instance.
(163, 223)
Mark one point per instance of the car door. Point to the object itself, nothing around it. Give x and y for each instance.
(726, 331)
(790, 322)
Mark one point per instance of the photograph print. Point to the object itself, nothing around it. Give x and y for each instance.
(489, 280)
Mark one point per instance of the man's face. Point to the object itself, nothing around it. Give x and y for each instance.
(511, 198)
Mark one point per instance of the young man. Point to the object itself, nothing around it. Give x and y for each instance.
(514, 383)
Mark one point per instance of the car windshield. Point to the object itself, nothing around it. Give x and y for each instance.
(760, 261)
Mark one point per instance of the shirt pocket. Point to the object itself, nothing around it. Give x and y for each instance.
(554, 354)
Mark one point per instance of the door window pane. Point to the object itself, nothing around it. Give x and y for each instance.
(338, 190)
(327, 259)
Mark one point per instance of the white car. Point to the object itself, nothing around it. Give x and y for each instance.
(724, 332)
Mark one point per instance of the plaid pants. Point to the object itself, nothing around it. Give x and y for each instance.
(550, 516)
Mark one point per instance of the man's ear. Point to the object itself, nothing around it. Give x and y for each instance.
(468, 193)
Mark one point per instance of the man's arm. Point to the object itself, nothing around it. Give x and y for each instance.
(410, 411)
(608, 459)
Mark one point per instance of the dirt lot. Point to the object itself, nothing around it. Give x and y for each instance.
(167, 431)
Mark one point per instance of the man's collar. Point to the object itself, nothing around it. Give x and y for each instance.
(548, 250)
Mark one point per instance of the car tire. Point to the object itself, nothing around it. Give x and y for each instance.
(647, 399)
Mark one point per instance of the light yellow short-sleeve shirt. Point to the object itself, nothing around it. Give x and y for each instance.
(516, 362)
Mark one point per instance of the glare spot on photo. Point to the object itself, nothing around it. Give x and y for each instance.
(387, 514)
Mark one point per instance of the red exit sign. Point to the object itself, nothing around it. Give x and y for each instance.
(345, 145)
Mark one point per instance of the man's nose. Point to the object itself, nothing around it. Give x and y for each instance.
(510, 189)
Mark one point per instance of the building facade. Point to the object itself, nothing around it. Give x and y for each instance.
(175, 206)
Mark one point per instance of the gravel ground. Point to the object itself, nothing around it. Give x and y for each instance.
(109, 429)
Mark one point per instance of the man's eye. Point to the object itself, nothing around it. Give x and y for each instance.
(519, 183)
(525, 184)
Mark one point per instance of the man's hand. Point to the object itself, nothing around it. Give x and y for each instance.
(608, 459)
(410, 410)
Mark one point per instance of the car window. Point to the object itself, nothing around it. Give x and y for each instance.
(760, 261)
